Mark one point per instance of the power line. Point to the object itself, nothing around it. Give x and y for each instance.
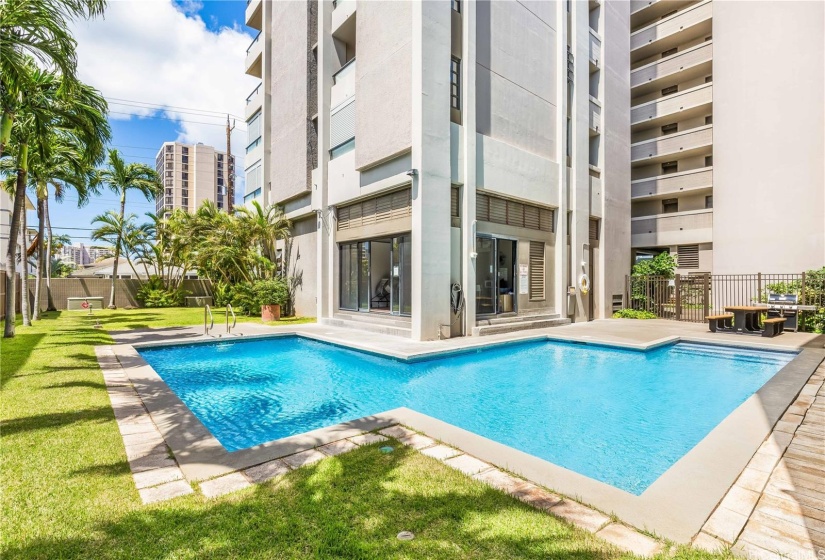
(171, 119)
(221, 113)
(170, 109)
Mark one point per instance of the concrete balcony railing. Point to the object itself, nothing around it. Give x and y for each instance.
(666, 186)
(686, 104)
(688, 24)
(254, 56)
(595, 116)
(646, 11)
(595, 50)
(678, 228)
(255, 151)
(685, 65)
(342, 12)
(681, 144)
(596, 197)
(254, 14)
(254, 101)
(343, 85)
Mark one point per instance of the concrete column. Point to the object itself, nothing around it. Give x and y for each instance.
(325, 298)
(266, 106)
(431, 160)
(560, 266)
(468, 191)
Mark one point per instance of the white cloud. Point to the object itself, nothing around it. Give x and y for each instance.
(153, 51)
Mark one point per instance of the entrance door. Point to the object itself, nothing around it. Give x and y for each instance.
(486, 276)
(364, 276)
(365, 270)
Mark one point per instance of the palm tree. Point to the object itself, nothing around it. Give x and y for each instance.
(121, 178)
(114, 230)
(266, 226)
(36, 29)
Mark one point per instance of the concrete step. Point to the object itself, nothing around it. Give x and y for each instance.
(377, 318)
(483, 330)
(516, 319)
(375, 327)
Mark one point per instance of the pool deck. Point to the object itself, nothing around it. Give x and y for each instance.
(724, 486)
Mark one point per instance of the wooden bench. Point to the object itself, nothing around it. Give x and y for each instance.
(773, 327)
(719, 322)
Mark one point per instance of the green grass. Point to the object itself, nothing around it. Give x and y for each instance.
(67, 491)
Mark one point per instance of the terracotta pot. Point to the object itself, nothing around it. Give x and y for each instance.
(271, 312)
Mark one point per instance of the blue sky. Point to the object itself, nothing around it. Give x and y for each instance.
(170, 70)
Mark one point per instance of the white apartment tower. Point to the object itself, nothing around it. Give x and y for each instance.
(192, 173)
(427, 147)
(727, 134)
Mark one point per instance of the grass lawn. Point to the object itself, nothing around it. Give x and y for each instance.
(67, 491)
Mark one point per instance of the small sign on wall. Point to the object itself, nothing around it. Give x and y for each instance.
(523, 279)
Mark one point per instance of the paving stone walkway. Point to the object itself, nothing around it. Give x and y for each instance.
(776, 508)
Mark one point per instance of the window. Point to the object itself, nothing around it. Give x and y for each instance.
(376, 210)
(687, 256)
(669, 167)
(669, 52)
(454, 204)
(708, 161)
(507, 212)
(455, 84)
(709, 119)
(670, 205)
(670, 90)
(253, 130)
(594, 229)
(670, 128)
(456, 6)
(536, 271)
(709, 201)
(184, 150)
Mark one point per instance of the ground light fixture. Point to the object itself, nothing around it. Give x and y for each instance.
(405, 536)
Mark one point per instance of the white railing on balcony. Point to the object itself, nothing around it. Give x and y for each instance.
(695, 226)
(678, 22)
(673, 64)
(595, 48)
(672, 183)
(672, 104)
(343, 84)
(672, 143)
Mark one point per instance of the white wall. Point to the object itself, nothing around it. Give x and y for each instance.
(769, 186)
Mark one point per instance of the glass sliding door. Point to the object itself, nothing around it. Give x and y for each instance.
(401, 258)
(364, 276)
(349, 263)
(365, 279)
(486, 276)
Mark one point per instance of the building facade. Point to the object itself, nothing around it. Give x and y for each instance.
(727, 134)
(424, 148)
(78, 255)
(191, 174)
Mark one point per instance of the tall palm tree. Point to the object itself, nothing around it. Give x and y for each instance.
(266, 226)
(47, 109)
(121, 178)
(36, 29)
(114, 230)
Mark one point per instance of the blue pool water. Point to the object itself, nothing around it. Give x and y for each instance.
(619, 416)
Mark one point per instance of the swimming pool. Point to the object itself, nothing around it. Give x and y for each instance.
(616, 415)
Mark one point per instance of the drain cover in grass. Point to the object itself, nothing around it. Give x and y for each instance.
(386, 449)
(405, 536)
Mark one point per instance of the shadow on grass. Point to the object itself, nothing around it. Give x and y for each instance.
(351, 506)
(112, 469)
(78, 384)
(56, 420)
(16, 352)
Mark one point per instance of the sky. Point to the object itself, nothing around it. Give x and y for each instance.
(171, 70)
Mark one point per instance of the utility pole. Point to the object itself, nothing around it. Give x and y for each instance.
(229, 169)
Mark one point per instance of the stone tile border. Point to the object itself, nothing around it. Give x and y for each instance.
(156, 474)
(764, 515)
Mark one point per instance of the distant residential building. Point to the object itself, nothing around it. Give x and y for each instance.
(98, 253)
(192, 173)
(77, 255)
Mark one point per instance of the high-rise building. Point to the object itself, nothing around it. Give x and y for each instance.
(727, 134)
(192, 173)
(421, 148)
(77, 255)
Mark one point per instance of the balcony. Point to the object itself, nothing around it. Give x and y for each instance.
(254, 101)
(678, 228)
(643, 12)
(693, 102)
(343, 85)
(595, 50)
(254, 56)
(686, 65)
(695, 141)
(254, 14)
(596, 196)
(595, 116)
(254, 151)
(691, 23)
(695, 181)
(342, 17)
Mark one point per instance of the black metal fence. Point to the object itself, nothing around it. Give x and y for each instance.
(693, 297)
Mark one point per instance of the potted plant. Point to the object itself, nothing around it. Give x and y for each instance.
(271, 295)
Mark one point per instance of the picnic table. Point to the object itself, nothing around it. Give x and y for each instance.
(746, 317)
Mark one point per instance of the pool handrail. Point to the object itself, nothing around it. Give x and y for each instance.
(207, 312)
(234, 319)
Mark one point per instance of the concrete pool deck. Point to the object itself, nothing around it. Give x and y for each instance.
(676, 506)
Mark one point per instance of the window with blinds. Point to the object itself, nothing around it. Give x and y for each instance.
(687, 256)
(594, 229)
(376, 210)
(510, 213)
(454, 210)
(342, 125)
(536, 271)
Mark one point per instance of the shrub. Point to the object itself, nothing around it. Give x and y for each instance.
(663, 264)
(154, 294)
(271, 292)
(633, 314)
(221, 294)
(243, 298)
